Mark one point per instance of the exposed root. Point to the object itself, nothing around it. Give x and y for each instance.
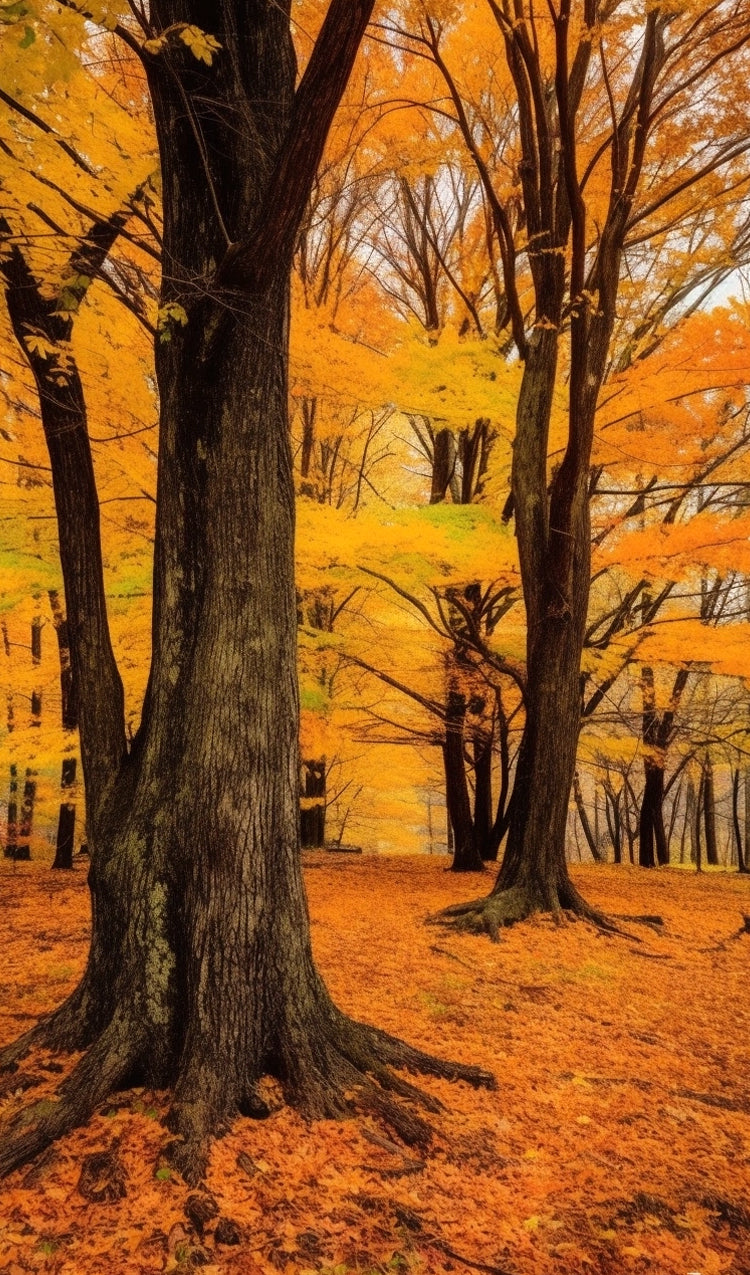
(330, 1065)
(102, 1069)
(195, 1124)
(61, 1031)
(655, 923)
(505, 907)
(396, 1053)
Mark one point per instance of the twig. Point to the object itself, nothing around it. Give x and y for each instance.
(442, 951)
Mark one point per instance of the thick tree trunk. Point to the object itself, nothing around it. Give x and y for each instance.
(200, 974)
(443, 464)
(652, 845)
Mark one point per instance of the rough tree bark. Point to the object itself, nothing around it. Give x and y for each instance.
(200, 974)
(552, 518)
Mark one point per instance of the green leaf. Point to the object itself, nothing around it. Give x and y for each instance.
(29, 36)
(163, 1175)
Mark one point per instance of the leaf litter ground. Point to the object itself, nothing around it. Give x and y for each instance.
(618, 1139)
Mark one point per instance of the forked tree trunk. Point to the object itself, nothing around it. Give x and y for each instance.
(200, 974)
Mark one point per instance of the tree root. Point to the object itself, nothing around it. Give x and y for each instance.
(330, 1066)
(505, 907)
(61, 1031)
(102, 1069)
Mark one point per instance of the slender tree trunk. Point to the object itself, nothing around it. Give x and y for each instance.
(614, 822)
(584, 818)
(309, 411)
(26, 822)
(697, 844)
(466, 857)
(67, 687)
(709, 813)
(482, 750)
(746, 777)
(692, 817)
(740, 849)
(502, 812)
(11, 840)
(66, 823)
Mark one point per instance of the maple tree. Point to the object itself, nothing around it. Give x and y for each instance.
(596, 93)
(189, 980)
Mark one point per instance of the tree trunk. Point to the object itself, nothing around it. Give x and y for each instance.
(466, 856)
(652, 844)
(614, 821)
(697, 845)
(739, 847)
(692, 818)
(66, 823)
(67, 687)
(313, 815)
(709, 813)
(200, 974)
(443, 464)
(585, 822)
(11, 838)
(309, 411)
(556, 577)
(26, 822)
(482, 750)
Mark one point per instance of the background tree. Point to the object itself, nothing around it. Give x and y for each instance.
(591, 163)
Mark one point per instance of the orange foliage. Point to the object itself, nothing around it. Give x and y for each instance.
(614, 1143)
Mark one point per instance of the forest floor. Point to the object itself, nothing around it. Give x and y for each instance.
(618, 1139)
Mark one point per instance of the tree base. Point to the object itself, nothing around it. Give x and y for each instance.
(341, 1068)
(508, 906)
